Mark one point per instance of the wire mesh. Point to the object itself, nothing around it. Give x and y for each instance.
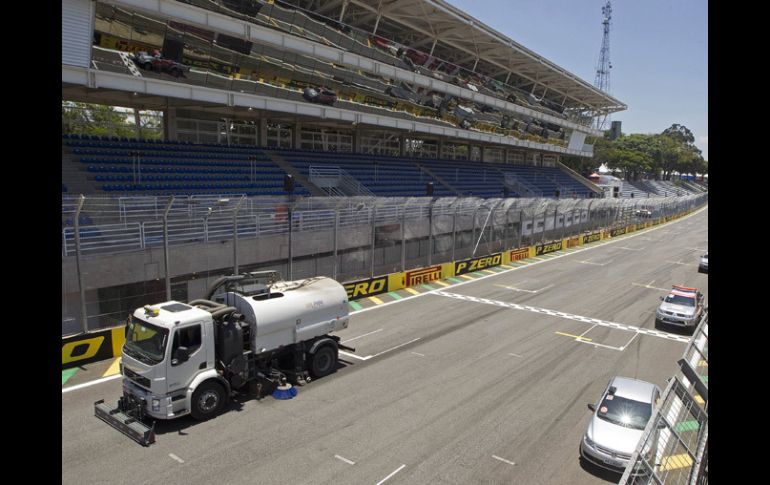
(346, 238)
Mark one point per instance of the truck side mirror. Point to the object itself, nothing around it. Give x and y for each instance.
(181, 354)
(661, 298)
(592, 407)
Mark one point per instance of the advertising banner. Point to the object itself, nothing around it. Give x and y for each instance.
(423, 275)
(92, 347)
(593, 237)
(518, 254)
(475, 264)
(548, 248)
(369, 287)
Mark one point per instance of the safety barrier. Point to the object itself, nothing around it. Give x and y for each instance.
(674, 446)
(104, 344)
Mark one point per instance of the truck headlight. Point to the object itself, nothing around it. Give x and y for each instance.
(155, 404)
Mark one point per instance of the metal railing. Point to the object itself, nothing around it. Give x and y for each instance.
(520, 186)
(338, 182)
(674, 445)
(346, 238)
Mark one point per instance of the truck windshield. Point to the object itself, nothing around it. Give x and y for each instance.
(145, 341)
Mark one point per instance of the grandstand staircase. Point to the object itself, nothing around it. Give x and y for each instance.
(519, 186)
(315, 191)
(73, 176)
(582, 180)
(440, 180)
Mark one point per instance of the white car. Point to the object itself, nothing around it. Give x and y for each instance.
(682, 307)
(618, 422)
(703, 267)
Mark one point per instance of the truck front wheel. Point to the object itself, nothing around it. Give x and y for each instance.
(207, 400)
(323, 361)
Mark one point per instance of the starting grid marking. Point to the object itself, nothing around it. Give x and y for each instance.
(570, 316)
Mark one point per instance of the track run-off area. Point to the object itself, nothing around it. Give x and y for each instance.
(483, 379)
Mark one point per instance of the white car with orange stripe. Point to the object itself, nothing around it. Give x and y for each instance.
(682, 307)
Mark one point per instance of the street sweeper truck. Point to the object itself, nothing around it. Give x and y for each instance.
(252, 333)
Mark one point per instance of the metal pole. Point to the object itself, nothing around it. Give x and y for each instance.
(235, 234)
(291, 230)
(336, 229)
(81, 289)
(373, 215)
(532, 232)
(454, 233)
(430, 234)
(473, 233)
(165, 248)
(403, 238)
(491, 227)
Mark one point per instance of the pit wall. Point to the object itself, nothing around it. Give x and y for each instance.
(107, 344)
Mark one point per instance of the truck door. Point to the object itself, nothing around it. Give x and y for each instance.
(181, 371)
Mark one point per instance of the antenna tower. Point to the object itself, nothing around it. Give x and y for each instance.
(604, 65)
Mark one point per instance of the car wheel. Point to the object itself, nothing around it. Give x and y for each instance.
(147, 66)
(323, 361)
(207, 400)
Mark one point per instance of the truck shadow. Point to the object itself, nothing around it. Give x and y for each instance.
(234, 404)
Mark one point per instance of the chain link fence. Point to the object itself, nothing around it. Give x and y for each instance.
(674, 446)
(122, 253)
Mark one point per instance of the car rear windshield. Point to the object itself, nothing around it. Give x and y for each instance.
(680, 300)
(624, 412)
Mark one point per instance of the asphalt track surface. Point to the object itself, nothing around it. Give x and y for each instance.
(456, 386)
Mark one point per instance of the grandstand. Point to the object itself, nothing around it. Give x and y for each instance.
(426, 101)
(420, 104)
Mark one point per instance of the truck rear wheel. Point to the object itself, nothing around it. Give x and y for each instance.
(207, 400)
(323, 361)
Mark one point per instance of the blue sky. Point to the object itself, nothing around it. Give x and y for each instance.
(658, 49)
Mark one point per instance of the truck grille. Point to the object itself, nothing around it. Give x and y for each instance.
(142, 381)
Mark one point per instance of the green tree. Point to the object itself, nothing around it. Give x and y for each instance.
(104, 120)
(680, 133)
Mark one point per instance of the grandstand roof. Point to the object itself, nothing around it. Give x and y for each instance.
(417, 23)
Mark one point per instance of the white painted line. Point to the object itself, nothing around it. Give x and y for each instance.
(651, 287)
(364, 335)
(593, 327)
(595, 264)
(397, 470)
(698, 249)
(345, 460)
(517, 355)
(353, 356)
(176, 458)
(629, 342)
(394, 348)
(91, 383)
(619, 349)
(512, 288)
(677, 262)
(503, 460)
(421, 355)
(630, 249)
(569, 316)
